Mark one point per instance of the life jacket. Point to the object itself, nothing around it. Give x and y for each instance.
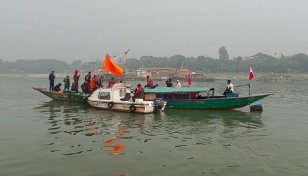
(92, 84)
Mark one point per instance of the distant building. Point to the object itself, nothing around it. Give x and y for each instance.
(159, 72)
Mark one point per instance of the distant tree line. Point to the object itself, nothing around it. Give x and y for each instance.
(260, 62)
(297, 63)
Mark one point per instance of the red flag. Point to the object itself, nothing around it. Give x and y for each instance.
(189, 79)
(251, 75)
(112, 67)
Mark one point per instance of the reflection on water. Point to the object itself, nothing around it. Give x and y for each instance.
(189, 127)
(112, 146)
(77, 129)
(228, 117)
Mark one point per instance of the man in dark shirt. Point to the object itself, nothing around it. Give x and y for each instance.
(51, 80)
(169, 83)
(57, 88)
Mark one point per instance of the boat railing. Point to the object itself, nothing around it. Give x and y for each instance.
(244, 85)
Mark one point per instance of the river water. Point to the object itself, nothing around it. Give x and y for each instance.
(43, 137)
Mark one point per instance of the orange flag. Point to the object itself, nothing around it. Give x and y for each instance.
(112, 67)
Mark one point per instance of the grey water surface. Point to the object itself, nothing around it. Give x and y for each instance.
(39, 136)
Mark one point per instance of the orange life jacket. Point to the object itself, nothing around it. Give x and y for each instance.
(92, 84)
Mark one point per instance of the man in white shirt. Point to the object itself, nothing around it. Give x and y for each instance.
(178, 85)
(230, 88)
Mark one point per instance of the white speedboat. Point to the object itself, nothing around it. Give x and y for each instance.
(118, 98)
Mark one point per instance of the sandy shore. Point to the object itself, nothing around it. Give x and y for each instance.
(219, 76)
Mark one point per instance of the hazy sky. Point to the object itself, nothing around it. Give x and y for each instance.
(87, 29)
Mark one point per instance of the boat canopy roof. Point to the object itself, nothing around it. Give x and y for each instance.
(121, 85)
(175, 90)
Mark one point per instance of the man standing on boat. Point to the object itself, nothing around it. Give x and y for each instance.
(51, 80)
(93, 84)
(230, 88)
(139, 92)
(149, 82)
(76, 79)
(66, 81)
(87, 78)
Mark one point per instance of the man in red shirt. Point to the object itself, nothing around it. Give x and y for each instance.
(138, 93)
(112, 82)
(149, 82)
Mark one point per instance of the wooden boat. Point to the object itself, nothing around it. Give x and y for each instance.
(63, 95)
(200, 98)
(118, 98)
(279, 78)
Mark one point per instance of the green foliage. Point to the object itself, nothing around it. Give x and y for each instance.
(261, 63)
(76, 64)
(34, 66)
(223, 53)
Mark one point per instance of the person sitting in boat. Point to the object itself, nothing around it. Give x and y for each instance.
(57, 88)
(112, 82)
(230, 88)
(169, 83)
(149, 82)
(154, 86)
(178, 84)
(73, 87)
(139, 93)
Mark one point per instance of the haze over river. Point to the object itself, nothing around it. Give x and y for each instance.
(43, 137)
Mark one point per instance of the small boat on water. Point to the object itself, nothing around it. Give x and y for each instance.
(200, 98)
(118, 98)
(279, 78)
(63, 95)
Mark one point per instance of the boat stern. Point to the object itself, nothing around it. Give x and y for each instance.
(159, 105)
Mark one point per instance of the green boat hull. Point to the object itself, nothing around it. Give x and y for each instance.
(216, 103)
(64, 96)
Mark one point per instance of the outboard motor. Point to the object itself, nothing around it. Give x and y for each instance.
(158, 104)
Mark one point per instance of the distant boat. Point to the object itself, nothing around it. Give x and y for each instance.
(194, 79)
(274, 77)
(183, 73)
(200, 98)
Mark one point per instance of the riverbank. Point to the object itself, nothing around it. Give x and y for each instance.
(216, 76)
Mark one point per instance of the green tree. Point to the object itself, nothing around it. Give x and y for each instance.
(223, 53)
(76, 64)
